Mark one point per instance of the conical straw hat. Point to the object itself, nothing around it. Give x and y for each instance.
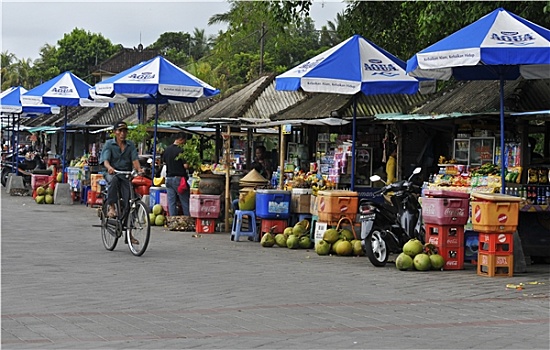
(253, 176)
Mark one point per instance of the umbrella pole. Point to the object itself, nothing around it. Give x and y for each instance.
(64, 147)
(502, 155)
(353, 132)
(155, 142)
(16, 144)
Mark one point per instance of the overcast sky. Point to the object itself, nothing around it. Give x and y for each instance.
(29, 25)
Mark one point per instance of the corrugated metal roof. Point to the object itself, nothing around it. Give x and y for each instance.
(184, 111)
(235, 105)
(270, 102)
(322, 105)
(483, 96)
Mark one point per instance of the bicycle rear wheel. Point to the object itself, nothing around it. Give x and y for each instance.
(139, 228)
(108, 231)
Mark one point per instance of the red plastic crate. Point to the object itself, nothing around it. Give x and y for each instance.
(454, 258)
(445, 211)
(279, 226)
(39, 180)
(205, 225)
(495, 265)
(94, 199)
(499, 243)
(445, 236)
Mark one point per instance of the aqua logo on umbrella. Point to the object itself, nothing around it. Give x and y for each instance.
(62, 90)
(378, 67)
(142, 76)
(513, 38)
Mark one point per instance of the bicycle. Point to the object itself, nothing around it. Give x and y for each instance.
(133, 222)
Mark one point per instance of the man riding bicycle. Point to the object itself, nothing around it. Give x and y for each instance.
(118, 154)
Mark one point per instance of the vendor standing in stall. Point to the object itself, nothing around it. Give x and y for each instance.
(261, 163)
(176, 170)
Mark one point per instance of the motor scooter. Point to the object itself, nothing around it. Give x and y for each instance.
(387, 226)
(31, 163)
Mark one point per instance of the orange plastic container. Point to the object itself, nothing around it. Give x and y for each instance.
(335, 204)
(495, 265)
(495, 213)
(496, 243)
(95, 182)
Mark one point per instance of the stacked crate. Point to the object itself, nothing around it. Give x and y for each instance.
(205, 208)
(495, 217)
(445, 213)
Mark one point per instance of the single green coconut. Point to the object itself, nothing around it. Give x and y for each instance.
(347, 234)
(152, 217)
(413, 247)
(159, 220)
(403, 262)
(287, 232)
(48, 199)
(437, 261)
(304, 242)
(157, 209)
(422, 262)
(267, 240)
(322, 247)
(344, 248)
(331, 235)
(292, 242)
(40, 191)
(49, 191)
(39, 199)
(357, 248)
(298, 230)
(280, 240)
(335, 245)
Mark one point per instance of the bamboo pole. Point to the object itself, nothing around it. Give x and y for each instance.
(282, 148)
(227, 145)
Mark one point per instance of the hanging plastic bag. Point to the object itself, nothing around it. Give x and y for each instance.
(183, 185)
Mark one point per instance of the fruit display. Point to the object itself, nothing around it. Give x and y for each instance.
(157, 215)
(293, 237)
(44, 194)
(419, 257)
(339, 242)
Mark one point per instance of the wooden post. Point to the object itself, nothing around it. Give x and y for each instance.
(227, 149)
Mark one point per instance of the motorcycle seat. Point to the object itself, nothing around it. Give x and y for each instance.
(42, 171)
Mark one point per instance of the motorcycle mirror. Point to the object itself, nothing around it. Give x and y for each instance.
(417, 170)
(375, 178)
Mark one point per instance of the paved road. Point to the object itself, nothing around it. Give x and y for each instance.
(62, 290)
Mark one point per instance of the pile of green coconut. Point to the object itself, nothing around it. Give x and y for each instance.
(339, 242)
(417, 256)
(293, 237)
(44, 195)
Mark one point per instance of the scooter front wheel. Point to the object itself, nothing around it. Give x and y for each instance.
(376, 248)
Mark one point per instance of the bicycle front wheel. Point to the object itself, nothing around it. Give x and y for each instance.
(139, 228)
(108, 231)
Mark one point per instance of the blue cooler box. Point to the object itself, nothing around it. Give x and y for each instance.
(154, 195)
(273, 204)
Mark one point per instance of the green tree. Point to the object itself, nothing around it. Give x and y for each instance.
(80, 50)
(46, 66)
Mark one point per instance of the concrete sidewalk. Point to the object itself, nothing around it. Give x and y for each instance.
(62, 290)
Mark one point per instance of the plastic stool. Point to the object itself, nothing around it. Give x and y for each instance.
(237, 229)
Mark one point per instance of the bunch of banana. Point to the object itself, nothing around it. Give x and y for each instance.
(206, 167)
